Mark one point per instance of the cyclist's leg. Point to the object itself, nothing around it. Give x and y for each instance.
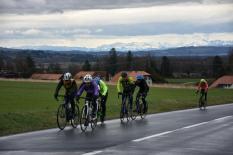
(123, 102)
(137, 102)
(72, 106)
(103, 106)
(206, 96)
(67, 100)
(94, 105)
(130, 100)
(144, 103)
(202, 95)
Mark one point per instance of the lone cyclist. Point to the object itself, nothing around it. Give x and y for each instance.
(125, 87)
(92, 90)
(103, 95)
(70, 89)
(143, 90)
(203, 87)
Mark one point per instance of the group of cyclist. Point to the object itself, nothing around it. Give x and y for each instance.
(96, 88)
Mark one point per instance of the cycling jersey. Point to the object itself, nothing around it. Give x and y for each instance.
(70, 87)
(125, 85)
(203, 86)
(143, 87)
(90, 89)
(103, 88)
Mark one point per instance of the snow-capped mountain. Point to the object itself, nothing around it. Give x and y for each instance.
(133, 46)
(138, 46)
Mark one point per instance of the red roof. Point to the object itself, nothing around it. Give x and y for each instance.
(227, 79)
(132, 74)
(81, 74)
(46, 76)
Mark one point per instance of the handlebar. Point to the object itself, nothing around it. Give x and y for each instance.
(85, 98)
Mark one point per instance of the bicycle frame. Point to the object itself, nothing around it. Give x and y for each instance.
(87, 115)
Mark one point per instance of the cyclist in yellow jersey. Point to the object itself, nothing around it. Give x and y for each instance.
(125, 87)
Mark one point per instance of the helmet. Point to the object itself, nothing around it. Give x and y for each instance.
(97, 80)
(87, 78)
(139, 77)
(124, 74)
(202, 80)
(67, 76)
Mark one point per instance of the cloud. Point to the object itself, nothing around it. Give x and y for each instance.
(94, 27)
(194, 14)
(155, 41)
(50, 6)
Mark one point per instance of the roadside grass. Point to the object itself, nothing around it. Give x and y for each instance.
(29, 106)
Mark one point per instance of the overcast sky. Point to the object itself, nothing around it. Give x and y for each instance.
(92, 23)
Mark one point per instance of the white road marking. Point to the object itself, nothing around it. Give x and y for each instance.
(152, 136)
(93, 153)
(194, 125)
(186, 127)
(220, 119)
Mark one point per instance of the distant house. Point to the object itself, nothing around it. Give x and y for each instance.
(133, 74)
(223, 82)
(46, 76)
(102, 74)
(9, 74)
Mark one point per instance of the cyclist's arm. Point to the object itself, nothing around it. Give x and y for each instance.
(147, 87)
(60, 84)
(119, 85)
(96, 89)
(131, 81)
(104, 86)
(81, 89)
(207, 87)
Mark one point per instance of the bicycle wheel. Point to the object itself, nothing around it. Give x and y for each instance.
(122, 113)
(93, 124)
(200, 103)
(61, 117)
(204, 104)
(84, 121)
(128, 112)
(134, 112)
(99, 113)
(76, 116)
(143, 112)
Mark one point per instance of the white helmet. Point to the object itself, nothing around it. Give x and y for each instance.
(67, 76)
(87, 78)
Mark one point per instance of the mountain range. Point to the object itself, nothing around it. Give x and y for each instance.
(133, 46)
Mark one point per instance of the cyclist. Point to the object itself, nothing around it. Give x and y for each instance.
(203, 86)
(125, 87)
(92, 90)
(143, 90)
(103, 95)
(70, 90)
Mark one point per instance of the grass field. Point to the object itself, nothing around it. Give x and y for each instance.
(185, 80)
(29, 106)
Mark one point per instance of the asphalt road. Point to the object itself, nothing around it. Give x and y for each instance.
(189, 132)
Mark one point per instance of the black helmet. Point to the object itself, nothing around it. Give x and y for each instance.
(124, 74)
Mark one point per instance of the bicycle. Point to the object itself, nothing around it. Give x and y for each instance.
(86, 115)
(201, 102)
(124, 114)
(64, 114)
(139, 108)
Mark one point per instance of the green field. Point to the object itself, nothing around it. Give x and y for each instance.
(185, 80)
(29, 106)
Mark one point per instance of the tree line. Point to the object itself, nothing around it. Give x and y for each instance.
(159, 67)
